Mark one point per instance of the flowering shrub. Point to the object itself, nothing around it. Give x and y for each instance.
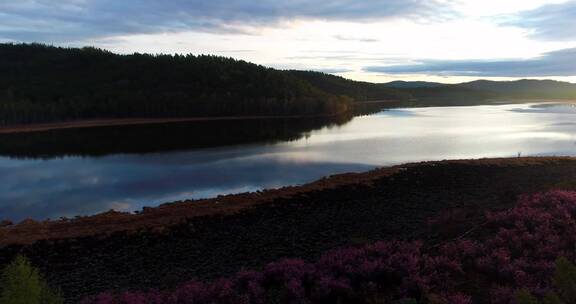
(515, 260)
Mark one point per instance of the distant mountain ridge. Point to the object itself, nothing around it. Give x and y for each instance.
(401, 84)
(483, 91)
(525, 88)
(358, 90)
(435, 93)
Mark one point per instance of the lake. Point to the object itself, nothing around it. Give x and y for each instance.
(86, 171)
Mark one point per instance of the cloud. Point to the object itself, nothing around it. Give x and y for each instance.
(332, 70)
(556, 63)
(357, 39)
(550, 22)
(72, 20)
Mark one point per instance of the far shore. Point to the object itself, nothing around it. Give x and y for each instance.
(110, 122)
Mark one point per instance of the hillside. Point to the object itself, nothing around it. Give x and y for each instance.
(42, 83)
(525, 88)
(356, 89)
(399, 84)
(483, 91)
(448, 95)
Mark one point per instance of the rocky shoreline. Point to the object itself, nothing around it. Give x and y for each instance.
(164, 246)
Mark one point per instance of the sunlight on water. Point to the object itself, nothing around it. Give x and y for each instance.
(444, 133)
(68, 186)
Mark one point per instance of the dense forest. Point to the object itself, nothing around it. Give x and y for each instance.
(40, 83)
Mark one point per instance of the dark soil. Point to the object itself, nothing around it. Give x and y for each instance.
(302, 225)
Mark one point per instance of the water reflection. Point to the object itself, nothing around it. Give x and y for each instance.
(129, 182)
(257, 154)
(159, 137)
(560, 108)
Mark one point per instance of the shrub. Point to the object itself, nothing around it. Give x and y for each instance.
(565, 279)
(517, 260)
(552, 298)
(525, 297)
(408, 301)
(23, 284)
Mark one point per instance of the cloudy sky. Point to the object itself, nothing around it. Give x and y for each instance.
(377, 40)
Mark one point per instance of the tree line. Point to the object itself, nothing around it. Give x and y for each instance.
(40, 83)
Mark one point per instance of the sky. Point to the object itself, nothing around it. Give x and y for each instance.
(379, 41)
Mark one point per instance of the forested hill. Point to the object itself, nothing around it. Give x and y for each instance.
(356, 89)
(40, 83)
(526, 88)
(484, 91)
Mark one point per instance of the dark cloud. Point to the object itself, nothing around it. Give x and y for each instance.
(557, 63)
(550, 22)
(69, 20)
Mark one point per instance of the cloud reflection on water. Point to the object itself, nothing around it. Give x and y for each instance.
(69, 186)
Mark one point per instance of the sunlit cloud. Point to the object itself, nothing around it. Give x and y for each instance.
(358, 39)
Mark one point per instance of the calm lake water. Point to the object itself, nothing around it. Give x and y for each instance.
(80, 172)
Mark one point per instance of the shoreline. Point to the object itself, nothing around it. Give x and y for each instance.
(174, 213)
(136, 121)
(112, 122)
(209, 239)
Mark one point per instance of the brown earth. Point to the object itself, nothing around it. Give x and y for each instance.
(162, 247)
(128, 122)
(158, 218)
(110, 122)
